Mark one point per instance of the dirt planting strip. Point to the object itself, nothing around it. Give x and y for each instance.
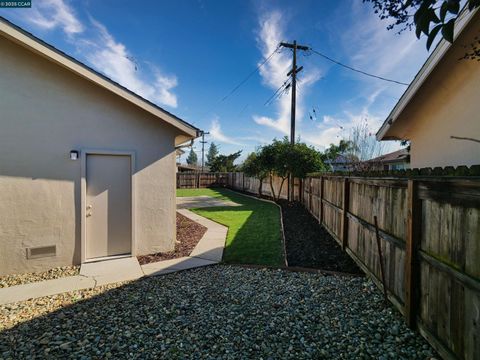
(309, 245)
(189, 234)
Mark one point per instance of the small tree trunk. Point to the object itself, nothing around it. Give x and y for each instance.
(260, 187)
(271, 187)
(281, 186)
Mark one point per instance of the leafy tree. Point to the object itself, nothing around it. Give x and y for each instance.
(429, 17)
(225, 163)
(333, 151)
(303, 160)
(211, 154)
(255, 166)
(282, 159)
(192, 158)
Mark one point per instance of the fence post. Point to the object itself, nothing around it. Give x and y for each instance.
(320, 207)
(243, 182)
(197, 181)
(344, 229)
(301, 195)
(411, 263)
(310, 194)
(299, 190)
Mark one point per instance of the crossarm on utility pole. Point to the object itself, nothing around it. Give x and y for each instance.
(292, 46)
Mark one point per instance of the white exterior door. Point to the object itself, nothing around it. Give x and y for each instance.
(108, 205)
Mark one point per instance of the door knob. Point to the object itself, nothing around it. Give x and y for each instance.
(89, 207)
(89, 214)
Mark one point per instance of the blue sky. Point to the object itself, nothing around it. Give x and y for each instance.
(186, 55)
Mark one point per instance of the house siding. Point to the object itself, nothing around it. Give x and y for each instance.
(446, 105)
(45, 112)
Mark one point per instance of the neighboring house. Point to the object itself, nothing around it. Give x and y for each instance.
(340, 163)
(179, 153)
(440, 111)
(191, 168)
(397, 160)
(87, 167)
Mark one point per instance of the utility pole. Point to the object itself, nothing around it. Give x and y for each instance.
(203, 148)
(293, 73)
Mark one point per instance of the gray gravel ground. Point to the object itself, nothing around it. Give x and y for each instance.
(55, 273)
(219, 312)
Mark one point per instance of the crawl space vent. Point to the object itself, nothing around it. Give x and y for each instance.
(41, 251)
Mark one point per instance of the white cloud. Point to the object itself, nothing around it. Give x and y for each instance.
(256, 139)
(163, 86)
(333, 129)
(274, 72)
(105, 54)
(50, 14)
(268, 39)
(217, 134)
(327, 119)
(384, 52)
(324, 138)
(113, 59)
(282, 123)
(369, 46)
(373, 48)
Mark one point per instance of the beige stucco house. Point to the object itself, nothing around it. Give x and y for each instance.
(87, 168)
(440, 111)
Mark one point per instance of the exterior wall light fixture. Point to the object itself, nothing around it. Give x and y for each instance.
(73, 154)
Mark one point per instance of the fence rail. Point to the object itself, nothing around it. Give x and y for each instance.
(195, 180)
(430, 239)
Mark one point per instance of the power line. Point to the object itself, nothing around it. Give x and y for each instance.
(251, 74)
(282, 88)
(284, 91)
(266, 60)
(356, 70)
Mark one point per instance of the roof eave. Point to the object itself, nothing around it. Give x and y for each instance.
(422, 75)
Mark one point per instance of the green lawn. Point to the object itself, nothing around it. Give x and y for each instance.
(253, 228)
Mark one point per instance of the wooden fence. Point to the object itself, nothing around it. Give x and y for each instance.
(239, 181)
(195, 180)
(430, 238)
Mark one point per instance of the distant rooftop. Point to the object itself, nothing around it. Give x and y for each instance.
(399, 155)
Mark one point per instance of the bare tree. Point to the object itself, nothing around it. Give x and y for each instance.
(364, 147)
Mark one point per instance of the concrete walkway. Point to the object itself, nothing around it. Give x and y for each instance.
(209, 251)
(192, 202)
(112, 271)
(44, 288)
